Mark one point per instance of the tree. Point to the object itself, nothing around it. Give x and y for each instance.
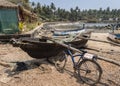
(33, 4)
(53, 6)
(50, 12)
(38, 8)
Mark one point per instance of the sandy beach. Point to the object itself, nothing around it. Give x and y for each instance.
(47, 75)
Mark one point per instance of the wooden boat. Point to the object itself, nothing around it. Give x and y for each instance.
(114, 37)
(7, 37)
(67, 32)
(39, 48)
(42, 48)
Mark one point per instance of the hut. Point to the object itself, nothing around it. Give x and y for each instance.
(8, 17)
(26, 15)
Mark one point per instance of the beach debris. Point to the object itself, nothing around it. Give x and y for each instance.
(4, 77)
(45, 68)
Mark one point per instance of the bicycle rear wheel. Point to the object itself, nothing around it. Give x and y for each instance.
(89, 71)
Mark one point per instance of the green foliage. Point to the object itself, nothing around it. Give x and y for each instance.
(51, 13)
(30, 26)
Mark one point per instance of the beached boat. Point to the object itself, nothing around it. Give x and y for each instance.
(38, 48)
(43, 48)
(114, 37)
(67, 32)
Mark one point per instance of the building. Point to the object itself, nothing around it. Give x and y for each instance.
(10, 14)
(8, 17)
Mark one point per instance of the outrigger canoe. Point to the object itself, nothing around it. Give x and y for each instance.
(114, 37)
(43, 48)
(67, 32)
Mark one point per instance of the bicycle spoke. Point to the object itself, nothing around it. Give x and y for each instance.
(89, 72)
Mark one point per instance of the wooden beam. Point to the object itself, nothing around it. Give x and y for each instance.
(100, 41)
(109, 60)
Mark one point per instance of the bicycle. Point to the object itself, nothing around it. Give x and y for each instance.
(86, 67)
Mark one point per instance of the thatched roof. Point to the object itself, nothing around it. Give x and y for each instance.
(28, 13)
(7, 4)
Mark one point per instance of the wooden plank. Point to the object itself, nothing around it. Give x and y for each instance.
(109, 60)
(100, 41)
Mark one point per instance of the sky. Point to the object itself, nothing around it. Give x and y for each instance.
(82, 4)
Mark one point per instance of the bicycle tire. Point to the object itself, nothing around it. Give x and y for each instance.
(84, 68)
(60, 63)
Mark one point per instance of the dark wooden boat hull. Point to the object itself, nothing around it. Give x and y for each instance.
(114, 38)
(79, 43)
(42, 50)
(39, 48)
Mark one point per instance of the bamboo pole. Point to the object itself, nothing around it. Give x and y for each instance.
(100, 41)
(89, 48)
(109, 60)
(7, 64)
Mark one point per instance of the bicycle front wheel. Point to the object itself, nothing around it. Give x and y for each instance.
(89, 71)
(60, 63)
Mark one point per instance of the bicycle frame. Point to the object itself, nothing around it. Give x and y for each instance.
(72, 57)
(84, 66)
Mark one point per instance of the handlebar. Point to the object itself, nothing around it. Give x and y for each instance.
(69, 45)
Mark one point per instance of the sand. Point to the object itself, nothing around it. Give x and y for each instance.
(47, 75)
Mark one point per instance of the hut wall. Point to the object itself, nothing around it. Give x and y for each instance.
(8, 20)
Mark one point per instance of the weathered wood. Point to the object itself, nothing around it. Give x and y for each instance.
(87, 34)
(89, 48)
(6, 64)
(100, 41)
(74, 49)
(7, 37)
(4, 40)
(109, 60)
(62, 44)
